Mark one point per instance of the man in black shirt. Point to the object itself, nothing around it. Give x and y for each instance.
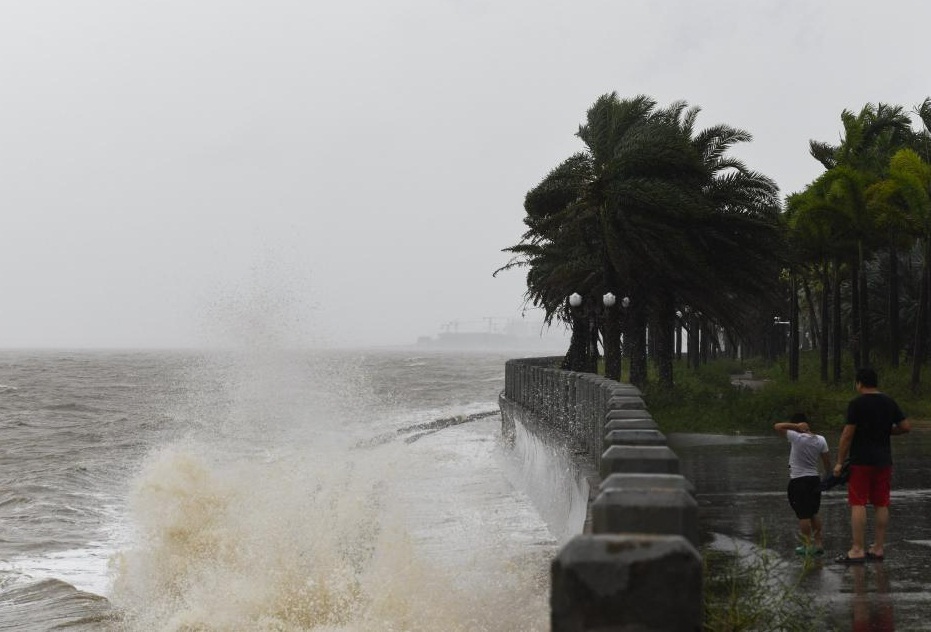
(872, 418)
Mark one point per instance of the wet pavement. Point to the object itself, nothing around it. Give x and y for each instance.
(740, 483)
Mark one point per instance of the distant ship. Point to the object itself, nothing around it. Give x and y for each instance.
(496, 333)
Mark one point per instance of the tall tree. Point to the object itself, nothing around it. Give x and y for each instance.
(653, 210)
(819, 237)
(909, 187)
(869, 138)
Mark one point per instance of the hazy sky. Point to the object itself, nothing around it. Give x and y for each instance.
(347, 172)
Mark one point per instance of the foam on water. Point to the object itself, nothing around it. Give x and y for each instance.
(86, 569)
(282, 525)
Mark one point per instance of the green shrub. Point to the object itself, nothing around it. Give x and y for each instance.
(705, 400)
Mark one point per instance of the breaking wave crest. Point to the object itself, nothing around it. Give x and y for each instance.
(304, 542)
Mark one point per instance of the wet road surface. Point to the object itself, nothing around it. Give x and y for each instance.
(740, 483)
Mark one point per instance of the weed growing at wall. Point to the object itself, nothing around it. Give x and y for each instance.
(753, 589)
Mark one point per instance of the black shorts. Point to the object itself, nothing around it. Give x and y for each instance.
(805, 496)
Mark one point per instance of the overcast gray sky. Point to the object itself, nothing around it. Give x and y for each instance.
(177, 172)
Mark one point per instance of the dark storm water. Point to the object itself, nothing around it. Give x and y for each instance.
(242, 491)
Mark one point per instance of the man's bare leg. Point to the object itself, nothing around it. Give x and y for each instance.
(882, 521)
(858, 529)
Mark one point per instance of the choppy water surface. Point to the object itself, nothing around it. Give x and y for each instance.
(350, 491)
(244, 491)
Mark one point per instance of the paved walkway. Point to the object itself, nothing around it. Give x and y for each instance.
(740, 484)
(747, 380)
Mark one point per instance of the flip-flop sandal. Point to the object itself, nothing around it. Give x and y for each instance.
(872, 557)
(845, 559)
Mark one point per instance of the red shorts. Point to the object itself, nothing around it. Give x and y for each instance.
(869, 484)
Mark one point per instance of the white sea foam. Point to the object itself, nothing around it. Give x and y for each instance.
(417, 537)
(265, 517)
(86, 568)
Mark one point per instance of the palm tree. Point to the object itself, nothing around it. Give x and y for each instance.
(652, 210)
(737, 240)
(909, 187)
(814, 223)
(869, 139)
(612, 198)
(647, 188)
(558, 253)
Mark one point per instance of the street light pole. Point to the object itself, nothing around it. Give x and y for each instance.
(611, 337)
(583, 347)
(792, 346)
(678, 334)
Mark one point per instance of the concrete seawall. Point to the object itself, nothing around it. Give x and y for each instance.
(630, 556)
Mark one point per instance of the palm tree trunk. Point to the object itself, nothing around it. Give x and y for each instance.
(678, 337)
(864, 311)
(855, 331)
(835, 323)
(922, 326)
(663, 326)
(793, 331)
(813, 328)
(591, 358)
(694, 339)
(636, 338)
(611, 328)
(575, 356)
(687, 340)
(731, 345)
(825, 294)
(611, 340)
(895, 335)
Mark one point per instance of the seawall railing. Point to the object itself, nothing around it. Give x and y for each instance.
(635, 565)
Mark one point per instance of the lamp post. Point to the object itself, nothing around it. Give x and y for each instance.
(792, 343)
(678, 334)
(778, 322)
(583, 347)
(611, 334)
(692, 325)
(590, 322)
(611, 337)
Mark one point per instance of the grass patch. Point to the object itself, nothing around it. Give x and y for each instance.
(754, 589)
(705, 400)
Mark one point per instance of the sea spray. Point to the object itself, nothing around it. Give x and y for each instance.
(299, 543)
(267, 509)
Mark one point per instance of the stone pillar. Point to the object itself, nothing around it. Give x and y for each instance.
(634, 436)
(631, 424)
(647, 481)
(620, 402)
(652, 459)
(626, 413)
(626, 582)
(663, 511)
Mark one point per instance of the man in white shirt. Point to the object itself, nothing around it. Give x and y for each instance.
(804, 489)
